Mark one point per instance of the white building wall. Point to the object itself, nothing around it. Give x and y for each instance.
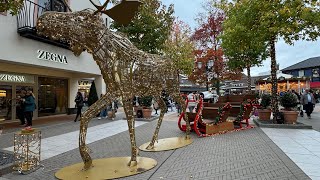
(19, 54)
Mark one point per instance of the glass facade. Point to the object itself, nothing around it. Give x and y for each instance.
(52, 96)
(5, 102)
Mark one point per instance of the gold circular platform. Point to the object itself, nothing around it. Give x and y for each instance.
(167, 144)
(108, 168)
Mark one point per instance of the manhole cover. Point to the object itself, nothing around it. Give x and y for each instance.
(5, 158)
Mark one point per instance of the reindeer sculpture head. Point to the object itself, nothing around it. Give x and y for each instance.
(86, 25)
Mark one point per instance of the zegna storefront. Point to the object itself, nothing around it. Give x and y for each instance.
(54, 88)
(48, 68)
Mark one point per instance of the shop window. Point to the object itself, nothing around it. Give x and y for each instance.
(308, 72)
(295, 73)
(84, 88)
(316, 79)
(53, 96)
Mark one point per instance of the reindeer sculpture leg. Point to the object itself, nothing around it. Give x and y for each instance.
(84, 121)
(177, 98)
(128, 109)
(163, 108)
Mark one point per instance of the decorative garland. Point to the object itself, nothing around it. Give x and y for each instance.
(243, 108)
(226, 131)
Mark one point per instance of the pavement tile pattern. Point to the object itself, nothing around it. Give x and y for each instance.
(248, 154)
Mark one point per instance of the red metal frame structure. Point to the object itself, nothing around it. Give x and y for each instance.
(197, 124)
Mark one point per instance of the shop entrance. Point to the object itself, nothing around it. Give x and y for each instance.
(5, 102)
(11, 97)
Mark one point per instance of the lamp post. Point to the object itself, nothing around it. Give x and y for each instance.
(208, 67)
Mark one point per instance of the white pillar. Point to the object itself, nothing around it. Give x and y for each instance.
(288, 85)
(100, 85)
(73, 89)
(299, 88)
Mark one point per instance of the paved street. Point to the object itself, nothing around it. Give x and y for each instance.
(249, 154)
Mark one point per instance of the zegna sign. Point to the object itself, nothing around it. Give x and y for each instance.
(48, 56)
(16, 78)
(12, 78)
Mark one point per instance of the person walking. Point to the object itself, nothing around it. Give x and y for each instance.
(103, 113)
(308, 101)
(155, 106)
(79, 104)
(20, 109)
(192, 101)
(29, 107)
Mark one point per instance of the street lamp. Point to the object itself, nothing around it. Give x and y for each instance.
(208, 67)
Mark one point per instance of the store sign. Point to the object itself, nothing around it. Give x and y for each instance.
(12, 78)
(16, 78)
(48, 56)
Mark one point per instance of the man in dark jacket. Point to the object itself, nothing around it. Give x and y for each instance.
(29, 107)
(308, 101)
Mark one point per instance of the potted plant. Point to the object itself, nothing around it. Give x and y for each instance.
(265, 112)
(146, 103)
(289, 101)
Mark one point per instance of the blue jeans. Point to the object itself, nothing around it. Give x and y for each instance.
(103, 113)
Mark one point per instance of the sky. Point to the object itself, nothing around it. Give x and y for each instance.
(286, 55)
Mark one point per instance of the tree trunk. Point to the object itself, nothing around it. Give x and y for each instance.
(249, 80)
(217, 85)
(274, 80)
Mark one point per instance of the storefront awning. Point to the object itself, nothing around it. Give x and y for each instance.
(314, 84)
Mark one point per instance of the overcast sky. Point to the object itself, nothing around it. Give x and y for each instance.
(286, 55)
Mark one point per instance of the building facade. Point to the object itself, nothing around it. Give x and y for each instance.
(48, 68)
(308, 68)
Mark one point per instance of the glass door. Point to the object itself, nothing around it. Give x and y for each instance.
(5, 102)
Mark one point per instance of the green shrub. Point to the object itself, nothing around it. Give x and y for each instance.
(265, 101)
(146, 101)
(289, 101)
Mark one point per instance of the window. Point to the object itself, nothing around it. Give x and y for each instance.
(53, 5)
(308, 72)
(295, 73)
(315, 79)
(301, 73)
(53, 96)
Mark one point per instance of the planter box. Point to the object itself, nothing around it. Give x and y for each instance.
(224, 126)
(147, 113)
(264, 114)
(290, 117)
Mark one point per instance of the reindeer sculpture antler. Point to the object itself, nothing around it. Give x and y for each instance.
(130, 7)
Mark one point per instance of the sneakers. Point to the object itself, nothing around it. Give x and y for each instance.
(99, 118)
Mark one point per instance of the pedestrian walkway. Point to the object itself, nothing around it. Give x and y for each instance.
(302, 146)
(246, 154)
(62, 143)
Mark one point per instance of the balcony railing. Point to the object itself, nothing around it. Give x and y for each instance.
(27, 20)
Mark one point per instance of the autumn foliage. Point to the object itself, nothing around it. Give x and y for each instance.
(208, 48)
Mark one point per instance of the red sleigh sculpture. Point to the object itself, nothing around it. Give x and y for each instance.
(212, 119)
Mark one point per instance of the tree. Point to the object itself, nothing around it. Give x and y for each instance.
(273, 19)
(179, 47)
(151, 27)
(208, 48)
(241, 48)
(93, 96)
(12, 6)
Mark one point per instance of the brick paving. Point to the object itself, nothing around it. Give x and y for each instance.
(246, 154)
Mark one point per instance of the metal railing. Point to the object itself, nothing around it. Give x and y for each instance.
(27, 21)
(28, 15)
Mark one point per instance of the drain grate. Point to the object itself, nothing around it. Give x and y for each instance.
(5, 158)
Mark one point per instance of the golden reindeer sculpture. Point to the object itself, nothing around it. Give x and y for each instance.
(126, 70)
